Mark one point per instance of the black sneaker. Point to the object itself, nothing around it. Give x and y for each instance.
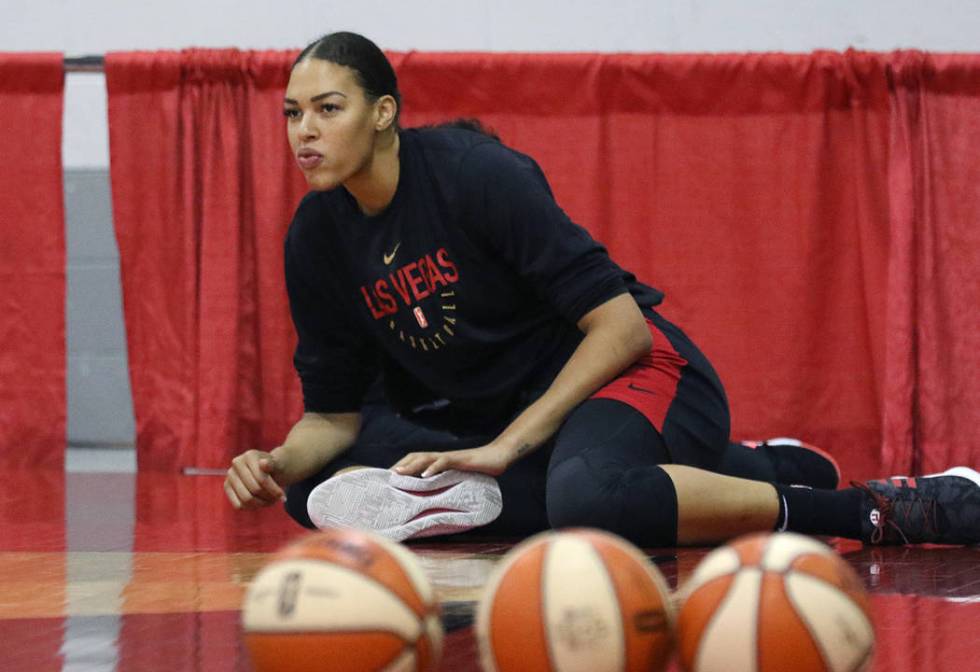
(799, 463)
(935, 509)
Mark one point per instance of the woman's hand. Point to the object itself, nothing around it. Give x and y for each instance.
(490, 459)
(251, 482)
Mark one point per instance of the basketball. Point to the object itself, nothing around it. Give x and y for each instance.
(575, 600)
(779, 601)
(342, 600)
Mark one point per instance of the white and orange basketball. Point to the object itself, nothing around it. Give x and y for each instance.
(770, 602)
(575, 600)
(342, 600)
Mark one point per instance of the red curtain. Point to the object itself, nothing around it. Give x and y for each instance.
(760, 191)
(32, 262)
(203, 190)
(932, 409)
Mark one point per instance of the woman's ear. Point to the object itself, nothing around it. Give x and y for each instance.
(386, 109)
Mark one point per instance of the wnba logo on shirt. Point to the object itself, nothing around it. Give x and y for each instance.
(420, 317)
(411, 283)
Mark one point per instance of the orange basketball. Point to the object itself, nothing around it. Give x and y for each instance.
(575, 600)
(342, 600)
(770, 602)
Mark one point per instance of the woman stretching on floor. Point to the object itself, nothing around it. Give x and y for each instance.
(528, 380)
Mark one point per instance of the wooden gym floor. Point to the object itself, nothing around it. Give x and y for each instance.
(144, 572)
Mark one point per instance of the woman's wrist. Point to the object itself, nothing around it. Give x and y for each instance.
(514, 448)
(289, 467)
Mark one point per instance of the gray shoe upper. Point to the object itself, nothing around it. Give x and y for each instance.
(936, 509)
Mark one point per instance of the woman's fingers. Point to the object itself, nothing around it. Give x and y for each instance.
(404, 461)
(230, 494)
(244, 498)
(268, 468)
(408, 461)
(415, 463)
(440, 465)
(426, 464)
(249, 485)
(247, 478)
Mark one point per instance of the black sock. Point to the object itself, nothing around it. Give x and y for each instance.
(835, 513)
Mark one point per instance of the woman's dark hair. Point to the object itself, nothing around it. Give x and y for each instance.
(370, 65)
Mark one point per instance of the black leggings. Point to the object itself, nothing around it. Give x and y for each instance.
(600, 465)
(600, 470)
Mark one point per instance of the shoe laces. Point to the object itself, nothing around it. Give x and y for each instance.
(900, 514)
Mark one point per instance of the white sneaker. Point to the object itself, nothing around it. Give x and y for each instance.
(405, 507)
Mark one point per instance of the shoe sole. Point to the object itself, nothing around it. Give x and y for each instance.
(404, 507)
(800, 444)
(962, 472)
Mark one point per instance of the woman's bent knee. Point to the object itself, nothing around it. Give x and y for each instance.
(577, 498)
(637, 503)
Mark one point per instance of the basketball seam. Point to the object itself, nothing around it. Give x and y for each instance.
(485, 607)
(797, 609)
(428, 601)
(727, 598)
(863, 660)
(821, 647)
(815, 577)
(390, 665)
(653, 571)
(549, 647)
(607, 572)
(424, 608)
(484, 613)
(806, 623)
(758, 606)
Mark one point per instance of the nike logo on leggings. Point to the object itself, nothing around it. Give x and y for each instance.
(640, 389)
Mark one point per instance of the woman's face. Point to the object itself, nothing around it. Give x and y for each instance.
(331, 124)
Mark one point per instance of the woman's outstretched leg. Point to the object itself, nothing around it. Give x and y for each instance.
(712, 508)
(607, 471)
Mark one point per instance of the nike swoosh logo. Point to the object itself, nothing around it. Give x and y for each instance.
(640, 389)
(388, 258)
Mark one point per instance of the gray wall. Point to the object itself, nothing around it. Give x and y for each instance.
(100, 408)
(83, 26)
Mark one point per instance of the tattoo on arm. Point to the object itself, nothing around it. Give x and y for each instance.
(523, 449)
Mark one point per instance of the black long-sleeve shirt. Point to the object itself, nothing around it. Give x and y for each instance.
(466, 288)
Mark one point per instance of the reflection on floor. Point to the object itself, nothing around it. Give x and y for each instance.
(122, 571)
